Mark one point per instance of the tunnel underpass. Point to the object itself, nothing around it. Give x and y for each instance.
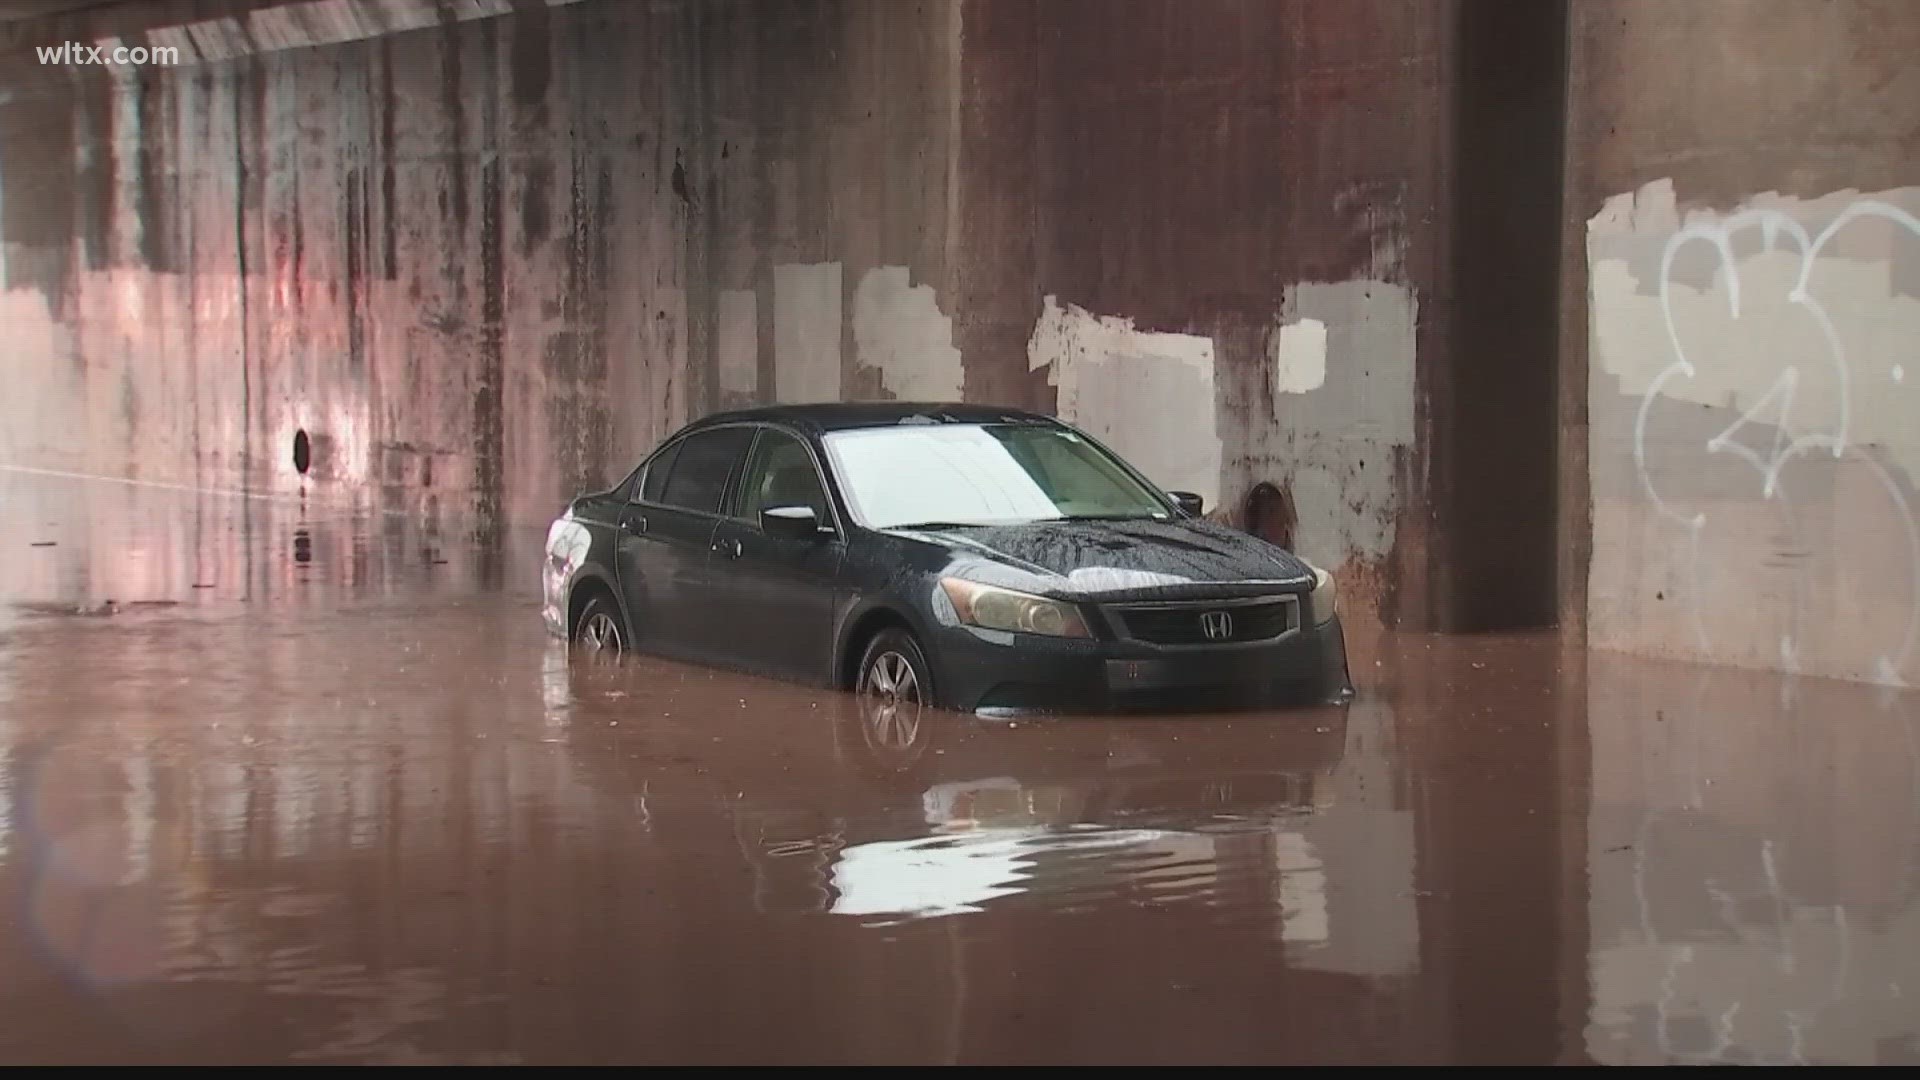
(1569, 338)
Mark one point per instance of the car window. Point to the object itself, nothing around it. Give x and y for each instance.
(983, 474)
(1071, 470)
(698, 478)
(781, 473)
(628, 490)
(655, 484)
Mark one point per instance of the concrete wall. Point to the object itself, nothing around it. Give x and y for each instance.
(1237, 205)
(406, 246)
(485, 263)
(1742, 306)
(1292, 250)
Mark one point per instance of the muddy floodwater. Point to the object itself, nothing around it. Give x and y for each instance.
(286, 782)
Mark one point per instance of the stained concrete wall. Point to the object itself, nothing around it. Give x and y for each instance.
(406, 246)
(486, 262)
(1742, 301)
(1299, 249)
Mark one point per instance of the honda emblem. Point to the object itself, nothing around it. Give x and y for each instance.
(1216, 625)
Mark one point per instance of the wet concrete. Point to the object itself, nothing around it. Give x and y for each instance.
(305, 783)
(483, 265)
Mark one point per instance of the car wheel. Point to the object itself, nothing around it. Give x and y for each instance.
(598, 635)
(895, 691)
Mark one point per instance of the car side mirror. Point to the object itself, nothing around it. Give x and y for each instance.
(1189, 503)
(790, 522)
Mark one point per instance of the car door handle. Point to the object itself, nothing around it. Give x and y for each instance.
(637, 525)
(729, 548)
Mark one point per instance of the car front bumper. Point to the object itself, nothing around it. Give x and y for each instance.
(990, 670)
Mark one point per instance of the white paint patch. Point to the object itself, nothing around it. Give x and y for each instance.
(1148, 396)
(1744, 455)
(1650, 211)
(806, 332)
(1343, 355)
(1299, 354)
(898, 329)
(1326, 533)
(738, 346)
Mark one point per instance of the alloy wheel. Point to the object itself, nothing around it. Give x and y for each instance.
(600, 635)
(891, 693)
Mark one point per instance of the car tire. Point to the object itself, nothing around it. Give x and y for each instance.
(599, 634)
(895, 690)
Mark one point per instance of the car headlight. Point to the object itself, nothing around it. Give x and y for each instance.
(992, 608)
(1325, 600)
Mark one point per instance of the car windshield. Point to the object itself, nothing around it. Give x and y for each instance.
(983, 474)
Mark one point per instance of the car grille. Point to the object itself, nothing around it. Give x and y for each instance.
(1199, 622)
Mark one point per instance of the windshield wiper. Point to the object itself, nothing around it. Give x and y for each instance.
(1109, 517)
(938, 525)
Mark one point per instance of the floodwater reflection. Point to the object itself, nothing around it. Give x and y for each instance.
(361, 809)
(1753, 849)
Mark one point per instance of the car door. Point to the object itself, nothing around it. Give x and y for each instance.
(778, 600)
(666, 538)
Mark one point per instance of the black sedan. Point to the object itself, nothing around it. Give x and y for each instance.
(961, 556)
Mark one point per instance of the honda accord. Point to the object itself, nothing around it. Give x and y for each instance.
(959, 556)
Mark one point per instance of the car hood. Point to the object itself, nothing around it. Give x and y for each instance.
(1124, 558)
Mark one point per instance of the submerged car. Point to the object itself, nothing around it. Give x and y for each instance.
(935, 555)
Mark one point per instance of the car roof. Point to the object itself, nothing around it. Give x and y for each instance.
(841, 416)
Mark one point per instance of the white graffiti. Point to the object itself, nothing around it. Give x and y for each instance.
(1776, 405)
(1820, 932)
(1738, 964)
